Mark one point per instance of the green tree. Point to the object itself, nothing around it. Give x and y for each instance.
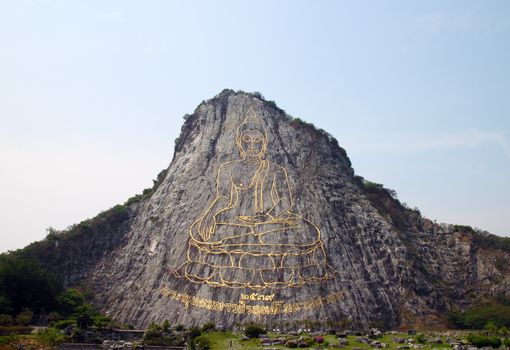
(26, 285)
(69, 300)
(84, 316)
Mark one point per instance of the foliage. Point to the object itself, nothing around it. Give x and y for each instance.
(481, 341)
(6, 339)
(179, 328)
(15, 330)
(506, 342)
(50, 337)
(194, 332)
(161, 335)
(135, 199)
(6, 320)
(69, 300)
(84, 316)
(200, 343)
(478, 317)
(484, 239)
(254, 330)
(209, 327)
(24, 284)
(24, 318)
(420, 338)
(101, 321)
(491, 328)
(490, 241)
(376, 187)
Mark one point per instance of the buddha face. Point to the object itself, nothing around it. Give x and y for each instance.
(251, 144)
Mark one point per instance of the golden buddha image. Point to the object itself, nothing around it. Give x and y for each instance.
(248, 236)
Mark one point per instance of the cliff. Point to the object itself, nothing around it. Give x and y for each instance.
(329, 245)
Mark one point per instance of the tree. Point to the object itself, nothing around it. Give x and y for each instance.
(84, 316)
(69, 301)
(24, 284)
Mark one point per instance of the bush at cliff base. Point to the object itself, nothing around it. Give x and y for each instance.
(50, 337)
(254, 330)
(481, 341)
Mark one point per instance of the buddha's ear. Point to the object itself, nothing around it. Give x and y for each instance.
(240, 147)
(262, 154)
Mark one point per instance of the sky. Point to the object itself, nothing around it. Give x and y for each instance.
(92, 95)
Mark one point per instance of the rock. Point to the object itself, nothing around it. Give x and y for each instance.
(362, 340)
(343, 341)
(372, 257)
(376, 344)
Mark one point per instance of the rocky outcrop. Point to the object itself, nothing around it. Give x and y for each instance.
(385, 263)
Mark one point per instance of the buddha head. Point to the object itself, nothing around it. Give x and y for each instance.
(251, 138)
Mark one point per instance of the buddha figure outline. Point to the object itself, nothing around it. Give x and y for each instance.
(248, 237)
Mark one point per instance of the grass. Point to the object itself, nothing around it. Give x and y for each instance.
(228, 340)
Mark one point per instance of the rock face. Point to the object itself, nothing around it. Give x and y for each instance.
(260, 217)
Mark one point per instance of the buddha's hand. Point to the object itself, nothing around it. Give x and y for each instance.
(257, 219)
(207, 227)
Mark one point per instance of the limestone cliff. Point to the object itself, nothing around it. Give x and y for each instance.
(371, 259)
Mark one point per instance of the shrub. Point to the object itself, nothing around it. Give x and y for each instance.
(102, 321)
(179, 328)
(63, 324)
(50, 337)
(7, 330)
(24, 318)
(491, 328)
(506, 342)
(495, 342)
(478, 317)
(200, 343)
(420, 338)
(481, 341)
(7, 339)
(194, 332)
(6, 320)
(254, 330)
(209, 327)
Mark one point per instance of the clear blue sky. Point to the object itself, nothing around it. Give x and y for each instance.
(92, 95)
